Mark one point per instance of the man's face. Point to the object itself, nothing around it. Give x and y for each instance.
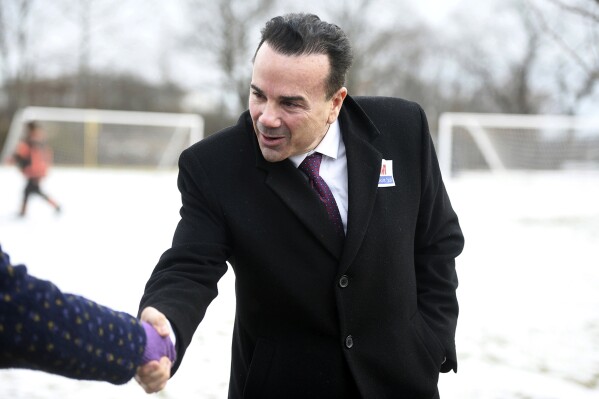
(288, 103)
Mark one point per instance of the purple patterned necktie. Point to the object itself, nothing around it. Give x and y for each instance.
(311, 167)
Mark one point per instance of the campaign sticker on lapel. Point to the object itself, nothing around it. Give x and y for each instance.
(386, 177)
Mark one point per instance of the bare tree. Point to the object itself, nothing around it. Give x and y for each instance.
(579, 51)
(498, 72)
(221, 35)
(4, 43)
(380, 50)
(16, 68)
(83, 74)
(22, 72)
(515, 92)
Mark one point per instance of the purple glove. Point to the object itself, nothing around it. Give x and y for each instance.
(156, 345)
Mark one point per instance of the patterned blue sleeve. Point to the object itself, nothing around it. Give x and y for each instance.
(42, 328)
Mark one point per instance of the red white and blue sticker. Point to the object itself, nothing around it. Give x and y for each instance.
(386, 177)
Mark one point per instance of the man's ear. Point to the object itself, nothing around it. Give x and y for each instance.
(337, 102)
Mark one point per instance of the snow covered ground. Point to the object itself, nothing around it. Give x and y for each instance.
(529, 279)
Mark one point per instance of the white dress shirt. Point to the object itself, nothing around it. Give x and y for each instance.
(333, 168)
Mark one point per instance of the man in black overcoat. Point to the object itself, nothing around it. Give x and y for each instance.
(367, 310)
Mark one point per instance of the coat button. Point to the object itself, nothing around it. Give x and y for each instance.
(349, 342)
(343, 281)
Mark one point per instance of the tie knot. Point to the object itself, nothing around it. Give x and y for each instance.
(311, 165)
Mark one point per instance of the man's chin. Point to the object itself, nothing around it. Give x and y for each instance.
(272, 155)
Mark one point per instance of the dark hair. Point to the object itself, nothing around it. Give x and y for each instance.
(305, 34)
(32, 125)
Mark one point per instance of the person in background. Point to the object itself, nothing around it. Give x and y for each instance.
(332, 211)
(42, 328)
(33, 157)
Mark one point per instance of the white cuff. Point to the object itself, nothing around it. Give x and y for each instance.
(172, 336)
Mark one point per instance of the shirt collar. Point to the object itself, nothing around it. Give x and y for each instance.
(329, 145)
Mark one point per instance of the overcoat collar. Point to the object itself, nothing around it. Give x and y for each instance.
(363, 168)
(363, 172)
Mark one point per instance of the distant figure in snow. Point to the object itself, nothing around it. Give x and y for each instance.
(33, 157)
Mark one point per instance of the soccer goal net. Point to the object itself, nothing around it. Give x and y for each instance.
(505, 142)
(97, 138)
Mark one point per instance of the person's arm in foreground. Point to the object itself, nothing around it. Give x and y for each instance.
(43, 329)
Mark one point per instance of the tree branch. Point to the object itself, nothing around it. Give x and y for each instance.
(578, 10)
(557, 38)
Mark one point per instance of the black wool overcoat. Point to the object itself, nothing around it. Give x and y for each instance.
(371, 316)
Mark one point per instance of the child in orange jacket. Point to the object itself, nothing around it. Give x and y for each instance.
(33, 156)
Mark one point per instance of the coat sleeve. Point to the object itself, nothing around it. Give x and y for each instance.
(42, 328)
(439, 241)
(184, 281)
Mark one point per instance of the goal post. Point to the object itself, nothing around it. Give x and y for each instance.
(510, 142)
(96, 138)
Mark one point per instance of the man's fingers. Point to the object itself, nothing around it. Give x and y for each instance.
(158, 320)
(154, 375)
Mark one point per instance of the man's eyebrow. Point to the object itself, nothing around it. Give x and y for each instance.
(282, 98)
(292, 98)
(253, 86)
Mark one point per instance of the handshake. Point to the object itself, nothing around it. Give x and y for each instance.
(159, 353)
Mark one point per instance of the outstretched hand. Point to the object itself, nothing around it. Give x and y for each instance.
(154, 375)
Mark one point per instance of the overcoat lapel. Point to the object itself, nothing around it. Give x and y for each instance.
(363, 170)
(294, 190)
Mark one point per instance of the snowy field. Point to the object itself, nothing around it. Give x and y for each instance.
(529, 279)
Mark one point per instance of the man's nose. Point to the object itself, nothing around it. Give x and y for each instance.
(270, 116)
